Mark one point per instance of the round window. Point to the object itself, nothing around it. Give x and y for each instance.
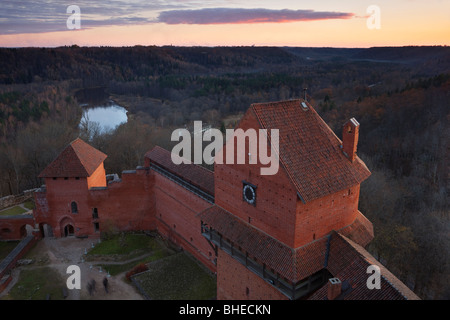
(249, 194)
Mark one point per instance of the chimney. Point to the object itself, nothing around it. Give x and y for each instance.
(334, 288)
(350, 134)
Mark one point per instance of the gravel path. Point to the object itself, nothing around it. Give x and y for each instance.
(61, 253)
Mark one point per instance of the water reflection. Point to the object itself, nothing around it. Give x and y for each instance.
(107, 117)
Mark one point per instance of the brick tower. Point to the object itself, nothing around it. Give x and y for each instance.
(63, 206)
(272, 233)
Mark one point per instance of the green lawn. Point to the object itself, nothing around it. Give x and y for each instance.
(127, 247)
(36, 284)
(13, 211)
(6, 247)
(29, 205)
(115, 269)
(177, 277)
(123, 247)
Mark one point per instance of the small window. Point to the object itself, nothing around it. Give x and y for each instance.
(94, 213)
(96, 226)
(66, 178)
(77, 178)
(74, 207)
(349, 129)
(54, 178)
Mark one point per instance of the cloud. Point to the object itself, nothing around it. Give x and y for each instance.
(240, 15)
(40, 16)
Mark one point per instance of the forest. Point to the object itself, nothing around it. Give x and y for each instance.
(399, 95)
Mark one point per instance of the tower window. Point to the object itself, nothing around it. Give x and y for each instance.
(74, 207)
(94, 213)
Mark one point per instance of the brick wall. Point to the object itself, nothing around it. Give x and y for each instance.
(97, 178)
(14, 228)
(14, 200)
(176, 217)
(236, 282)
(10, 261)
(319, 217)
(274, 210)
(126, 205)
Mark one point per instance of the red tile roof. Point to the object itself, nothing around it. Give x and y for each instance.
(360, 231)
(192, 173)
(293, 264)
(78, 159)
(342, 257)
(348, 262)
(309, 150)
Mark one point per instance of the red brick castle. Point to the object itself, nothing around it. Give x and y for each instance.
(297, 234)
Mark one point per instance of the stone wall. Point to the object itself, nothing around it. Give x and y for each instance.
(14, 200)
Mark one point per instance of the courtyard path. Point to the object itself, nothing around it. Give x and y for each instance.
(61, 253)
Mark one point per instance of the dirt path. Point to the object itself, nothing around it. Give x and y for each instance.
(61, 253)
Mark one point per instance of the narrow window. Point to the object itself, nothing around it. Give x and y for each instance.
(96, 226)
(74, 207)
(94, 213)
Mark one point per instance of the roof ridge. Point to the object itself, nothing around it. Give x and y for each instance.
(309, 151)
(83, 165)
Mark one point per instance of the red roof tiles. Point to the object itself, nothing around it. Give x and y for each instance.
(293, 264)
(309, 150)
(192, 173)
(342, 257)
(349, 261)
(78, 159)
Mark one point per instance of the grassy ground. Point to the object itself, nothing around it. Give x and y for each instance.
(29, 205)
(6, 247)
(155, 254)
(13, 211)
(122, 247)
(36, 284)
(177, 277)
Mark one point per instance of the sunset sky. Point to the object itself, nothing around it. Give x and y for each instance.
(344, 23)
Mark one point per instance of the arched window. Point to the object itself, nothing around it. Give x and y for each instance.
(74, 207)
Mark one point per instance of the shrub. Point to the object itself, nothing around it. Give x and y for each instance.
(137, 269)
